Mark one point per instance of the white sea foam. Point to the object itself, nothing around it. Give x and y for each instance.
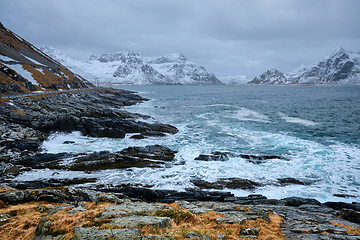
(245, 114)
(330, 167)
(307, 123)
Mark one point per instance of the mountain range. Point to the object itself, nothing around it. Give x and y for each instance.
(339, 67)
(24, 68)
(136, 69)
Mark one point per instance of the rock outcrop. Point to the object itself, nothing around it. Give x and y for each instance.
(95, 215)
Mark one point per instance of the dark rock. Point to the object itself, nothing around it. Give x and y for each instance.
(40, 159)
(298, 201)
(341, 205)
(23, 145)
(214, 156)
(68, 142)
(50, 183)
(149, 156)
(258, 159)
(155, 152)
(350, 215)
(169, 196)
(57, 195)
(344, 195)
(230, 183)
(287, 181)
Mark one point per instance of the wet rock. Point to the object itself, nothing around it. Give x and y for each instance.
(150, 156)
(350, 215)
(287, 181)
(23, 145)
(51, 195)
(50, 183)
(214, 156)
(68, 142)
(40, 160)
(298, 201)
(169, 196)
(258, 159)
(155, 152)
(230, 183)
(340, 205)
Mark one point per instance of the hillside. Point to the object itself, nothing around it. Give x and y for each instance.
(135, 69)
(24, 68)
(339, 67)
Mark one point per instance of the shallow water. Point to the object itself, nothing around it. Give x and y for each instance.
(315, 128)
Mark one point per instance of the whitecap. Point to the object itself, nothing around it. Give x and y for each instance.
(245, 114)
(304, 122)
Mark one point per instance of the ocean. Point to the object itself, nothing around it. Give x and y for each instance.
(315, 130)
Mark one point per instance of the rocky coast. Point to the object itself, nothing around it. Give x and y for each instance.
(65, 209)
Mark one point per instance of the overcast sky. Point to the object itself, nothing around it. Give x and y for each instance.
(228, 37)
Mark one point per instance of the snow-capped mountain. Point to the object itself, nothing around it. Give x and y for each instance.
(135, 69)
(235, 80)
(339, 67)
(271, 76)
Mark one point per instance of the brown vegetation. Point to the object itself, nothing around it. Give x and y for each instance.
(205, 224)
(351, 230)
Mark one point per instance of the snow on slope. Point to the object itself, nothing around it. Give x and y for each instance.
(135, 69)
(271, 76)
(339, 67)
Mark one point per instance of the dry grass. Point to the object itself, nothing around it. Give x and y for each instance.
(351, 230)
(205, 224)
(24, 221)
(26, 218)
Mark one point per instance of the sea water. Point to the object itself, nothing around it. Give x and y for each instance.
(315, 129)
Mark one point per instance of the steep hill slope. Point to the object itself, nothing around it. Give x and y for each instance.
(24, 68)
(135, 69)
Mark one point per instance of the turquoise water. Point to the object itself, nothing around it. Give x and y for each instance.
(315, 128)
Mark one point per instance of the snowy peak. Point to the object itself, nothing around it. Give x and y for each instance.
(136, 69)
(271, 76)
(171, 58)
(235, 80)
(339, 67)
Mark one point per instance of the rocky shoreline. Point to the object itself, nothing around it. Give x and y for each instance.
(25, 122)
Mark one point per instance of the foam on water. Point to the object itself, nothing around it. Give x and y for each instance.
(249, 115)
(297, 120)
(240, 127)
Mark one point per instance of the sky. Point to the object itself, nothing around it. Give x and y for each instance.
(228, 37)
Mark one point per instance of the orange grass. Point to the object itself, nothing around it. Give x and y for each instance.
(351, 230)
(205, 224)
(26, 218)
(24, 221)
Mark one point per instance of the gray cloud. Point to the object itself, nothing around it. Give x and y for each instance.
(228, 37)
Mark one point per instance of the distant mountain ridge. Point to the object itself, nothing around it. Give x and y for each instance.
(339, 67)
(24, 68)
(135, 69)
